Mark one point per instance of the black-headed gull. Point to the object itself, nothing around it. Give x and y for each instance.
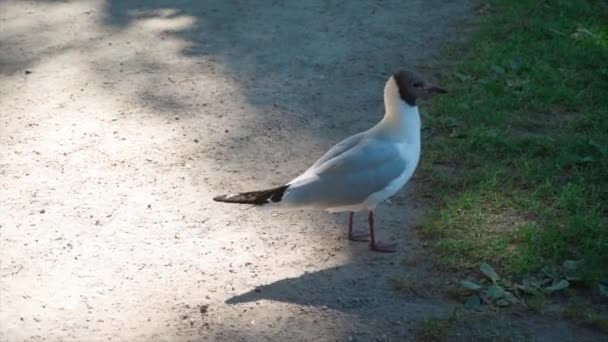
(362, 170)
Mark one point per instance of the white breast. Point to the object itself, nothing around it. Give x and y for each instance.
(411, 153)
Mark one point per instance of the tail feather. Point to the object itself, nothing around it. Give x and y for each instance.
(255, 197)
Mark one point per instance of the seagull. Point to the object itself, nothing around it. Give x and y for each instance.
(362, 170)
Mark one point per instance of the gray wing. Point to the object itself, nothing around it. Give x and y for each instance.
(339, 148)
(351, 176)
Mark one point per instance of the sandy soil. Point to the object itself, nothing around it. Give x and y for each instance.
(120, 120)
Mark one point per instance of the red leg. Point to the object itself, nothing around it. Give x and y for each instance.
(354, 236)
(377, 245)
(370, 221)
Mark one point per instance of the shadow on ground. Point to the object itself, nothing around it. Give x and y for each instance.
(312, 70)
(363, 287)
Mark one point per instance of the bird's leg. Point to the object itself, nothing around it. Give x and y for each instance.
(353, 236)
(377, 245)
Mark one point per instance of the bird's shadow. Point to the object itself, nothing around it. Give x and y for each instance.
(396, 286)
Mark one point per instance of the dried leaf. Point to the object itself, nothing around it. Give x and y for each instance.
(547, 281)
(456, 133)
(531, 282)
(470, 285)
(489, 272)
(450, 122)
(511, 298)
(462, 77)
(497, 69)
(552, 272)
(582, 32)
(507, 284)
(496, 292)
(560, 285)
(530, 285)
(502, 303)
(516, 83)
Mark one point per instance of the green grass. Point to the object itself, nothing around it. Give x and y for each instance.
(516, 155)
(439, 329)
(412, 286)
(584, 316)
(434, 330)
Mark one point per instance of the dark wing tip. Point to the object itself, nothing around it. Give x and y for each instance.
(221, 198)
(254, 197)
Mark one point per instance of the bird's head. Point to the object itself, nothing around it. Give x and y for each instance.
(411, 86)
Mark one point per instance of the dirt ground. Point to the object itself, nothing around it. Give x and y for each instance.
(120, 120)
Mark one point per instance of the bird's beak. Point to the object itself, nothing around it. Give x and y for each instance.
(431, 89)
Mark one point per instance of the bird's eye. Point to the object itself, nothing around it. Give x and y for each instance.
(417, 84)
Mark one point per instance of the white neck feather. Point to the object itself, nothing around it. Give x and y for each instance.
(401, 121)
(391, 96)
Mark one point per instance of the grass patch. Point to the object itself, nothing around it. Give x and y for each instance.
(459, 326)
(434, 330)
(517, 153)
(438, 329)
(412, 286)
(587, 317)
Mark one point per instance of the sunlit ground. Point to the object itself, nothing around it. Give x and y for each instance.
(120, 122)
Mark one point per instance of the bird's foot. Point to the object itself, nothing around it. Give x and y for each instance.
(384, 247)
(358, 237)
